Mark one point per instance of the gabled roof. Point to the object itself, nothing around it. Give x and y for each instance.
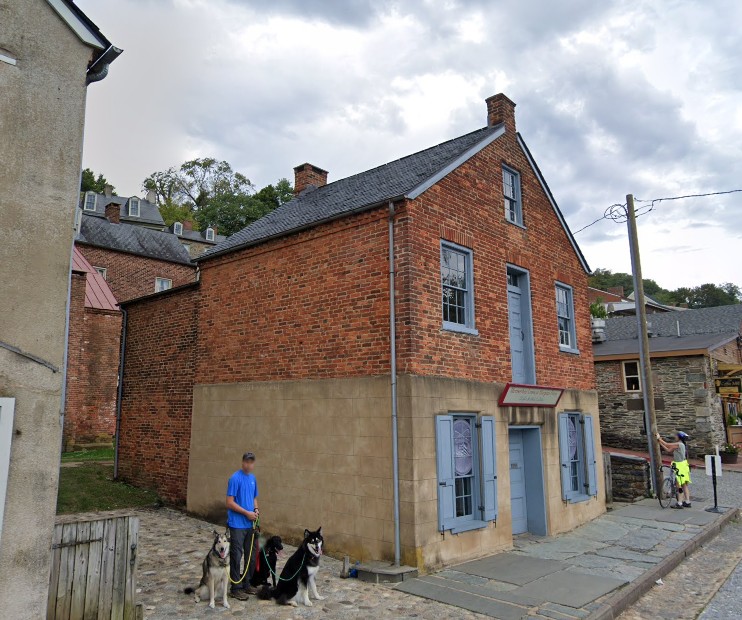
(97, 292)
(148, 213)
(406, 177)
(663, 344)
(718, 320)
(98, 231)
(199, 236)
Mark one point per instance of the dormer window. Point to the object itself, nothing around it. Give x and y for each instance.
(209, 234)
(133, 206)
(178, 228)
(91, 199)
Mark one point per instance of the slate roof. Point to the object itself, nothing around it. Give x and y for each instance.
(98, 231)
(663, 344)
(718, 320)
(97, 292)
(355, 193)
(198, 236)
(148, 212)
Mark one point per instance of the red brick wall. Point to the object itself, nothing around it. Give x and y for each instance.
(314, 305)
(158, 392)
(466, 207)
(131, 276)
(92, 371)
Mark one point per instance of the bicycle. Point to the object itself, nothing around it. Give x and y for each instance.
(668, 491)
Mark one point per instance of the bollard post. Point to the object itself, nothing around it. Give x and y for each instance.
(713, 483)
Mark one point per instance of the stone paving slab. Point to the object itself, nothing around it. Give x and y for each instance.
(511, 568)
(565, 588)
(487, 592)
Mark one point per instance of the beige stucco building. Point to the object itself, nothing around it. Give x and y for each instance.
(49, 52)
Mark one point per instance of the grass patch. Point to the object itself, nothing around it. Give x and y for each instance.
(99, 454)
(91, 487)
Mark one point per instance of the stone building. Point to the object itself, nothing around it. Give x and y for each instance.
(49, 53)
(196, 241)
(287, 346)
(686, 348)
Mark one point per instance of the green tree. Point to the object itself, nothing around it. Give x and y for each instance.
(90, 183)
(211, 193)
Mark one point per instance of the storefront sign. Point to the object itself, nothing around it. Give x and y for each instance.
(516, 395)
(729, 385)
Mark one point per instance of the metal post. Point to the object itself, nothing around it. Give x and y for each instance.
(650, 417)
(393, 372)
(713, 482)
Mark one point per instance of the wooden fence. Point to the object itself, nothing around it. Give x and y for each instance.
(93, 574)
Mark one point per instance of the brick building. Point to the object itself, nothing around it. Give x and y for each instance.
(134, 259)
(93, 358)
(688, 349)
(288, 339)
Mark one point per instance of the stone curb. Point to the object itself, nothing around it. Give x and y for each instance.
(619, 602)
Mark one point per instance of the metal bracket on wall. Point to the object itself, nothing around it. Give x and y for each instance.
(29, 356)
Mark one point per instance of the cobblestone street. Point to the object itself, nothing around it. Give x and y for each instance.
(173, 545)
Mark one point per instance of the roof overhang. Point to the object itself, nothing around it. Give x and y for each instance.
(655, 354)
(554, 205)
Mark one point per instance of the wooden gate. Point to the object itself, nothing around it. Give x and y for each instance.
(93, 574)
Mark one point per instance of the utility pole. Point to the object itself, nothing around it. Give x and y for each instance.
(650, 417)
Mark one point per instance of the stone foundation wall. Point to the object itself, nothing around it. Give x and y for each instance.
(630, 476)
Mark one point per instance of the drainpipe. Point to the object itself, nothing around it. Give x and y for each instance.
(393, 355)
(119, 393)
(99, 69)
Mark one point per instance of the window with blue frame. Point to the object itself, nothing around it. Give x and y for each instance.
(566, 317)
(467, 477)
(577, 456)
(457, 284)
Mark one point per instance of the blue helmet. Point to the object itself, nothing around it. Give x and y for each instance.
(683, 435)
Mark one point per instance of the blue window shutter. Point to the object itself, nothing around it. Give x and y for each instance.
(489, 468)
(592, 474)
(444, 455)
(564, 454)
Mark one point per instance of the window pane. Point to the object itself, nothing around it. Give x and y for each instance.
(462, 445)
(631, 368)
(632, 384)
(454, 278)
(574, 455)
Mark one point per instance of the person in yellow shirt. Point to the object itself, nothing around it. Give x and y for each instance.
(679, 451)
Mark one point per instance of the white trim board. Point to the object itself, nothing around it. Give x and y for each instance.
(8, 59)
(78, 27)
(7, 411)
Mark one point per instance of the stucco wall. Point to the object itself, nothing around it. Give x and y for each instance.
(40, 159)
(324, 458)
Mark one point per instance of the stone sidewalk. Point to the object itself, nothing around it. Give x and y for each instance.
(172, 546)
(574, 575)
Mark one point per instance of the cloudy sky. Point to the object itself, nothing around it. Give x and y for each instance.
(613, 97)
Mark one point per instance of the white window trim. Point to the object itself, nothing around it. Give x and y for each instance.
(85, 202)
(102, 271)
(160, 290)
(131, 207)
(178, 228)
(520, 221)
(210, 234)
(638, 376)
(470, 327)
(573, 324)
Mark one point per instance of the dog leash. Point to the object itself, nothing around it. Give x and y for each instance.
(249, 557)
(276, 575)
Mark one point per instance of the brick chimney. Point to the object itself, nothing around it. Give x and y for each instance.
(501, 110)
(187, 225)
(616, 290)
(306, 175)
(113, 213)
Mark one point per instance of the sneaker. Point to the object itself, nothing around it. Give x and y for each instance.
(677, 506)
(251, 589)
(240, 594)
(686, 504)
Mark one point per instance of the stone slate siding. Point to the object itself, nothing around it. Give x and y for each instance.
(630, 478)
(685, 401)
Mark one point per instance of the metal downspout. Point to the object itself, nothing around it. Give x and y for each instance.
(393, 355)
(119, 393)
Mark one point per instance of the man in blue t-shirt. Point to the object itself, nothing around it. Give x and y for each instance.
(242, 511)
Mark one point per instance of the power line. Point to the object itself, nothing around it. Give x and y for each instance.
(617, 212)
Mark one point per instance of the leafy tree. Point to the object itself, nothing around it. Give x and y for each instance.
(710, 295)
(211, 193)
(90, 183)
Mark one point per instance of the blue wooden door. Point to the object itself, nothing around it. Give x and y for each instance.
(518, 509)
(517, 337)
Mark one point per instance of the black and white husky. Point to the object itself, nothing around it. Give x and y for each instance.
(215, 572)
(299, 575)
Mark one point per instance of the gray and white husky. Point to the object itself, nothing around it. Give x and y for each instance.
(215, 572)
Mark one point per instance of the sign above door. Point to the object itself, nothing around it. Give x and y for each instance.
(518, 395)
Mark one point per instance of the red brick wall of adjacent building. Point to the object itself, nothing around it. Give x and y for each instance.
(131, 276)
(158, 392)
(313, 305)
(466, 208)
(92, 371)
